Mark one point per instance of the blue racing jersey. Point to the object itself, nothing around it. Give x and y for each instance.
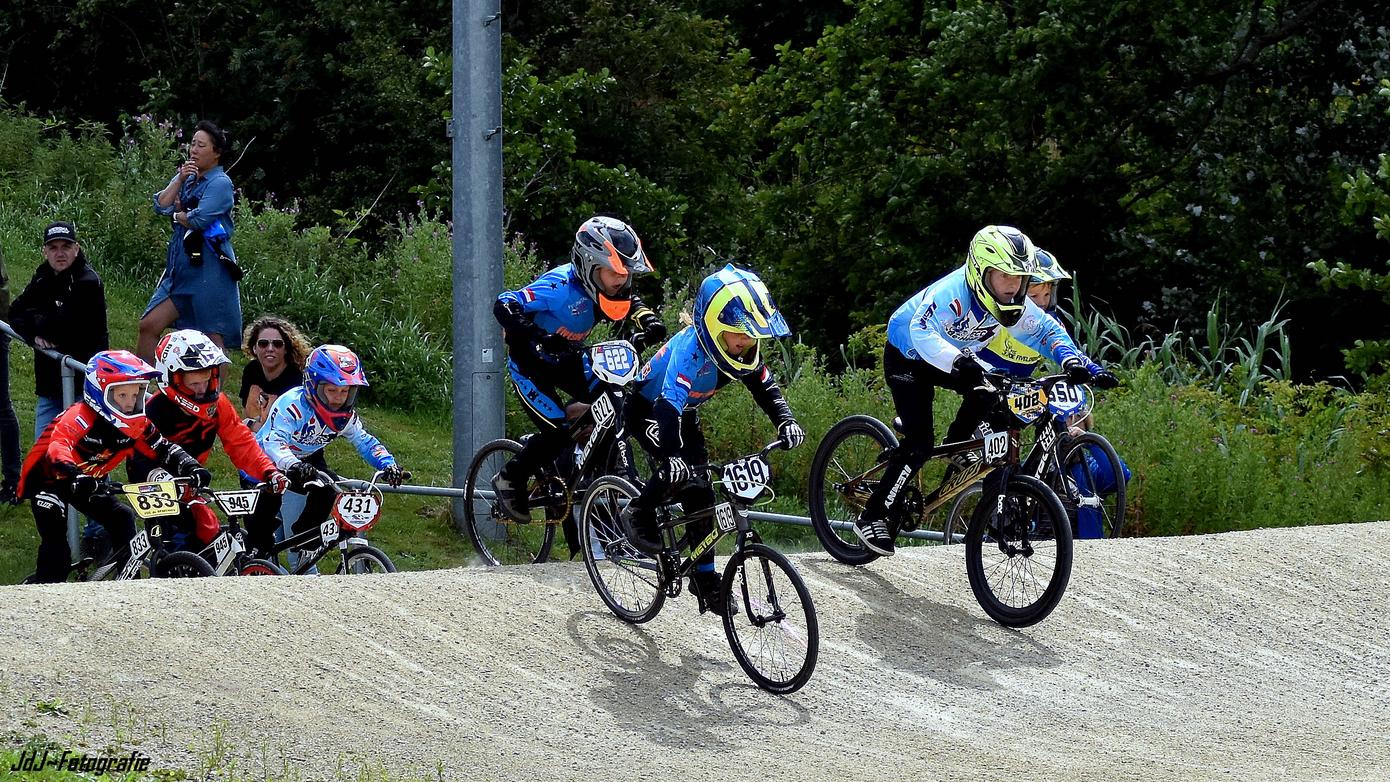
(293, 431)
(557, 303)
(945, 318)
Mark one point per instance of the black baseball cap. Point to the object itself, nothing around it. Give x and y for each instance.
(59, 230)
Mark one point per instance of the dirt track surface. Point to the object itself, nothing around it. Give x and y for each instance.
(1260, 655)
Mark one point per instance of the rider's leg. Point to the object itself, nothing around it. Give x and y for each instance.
(537, 385)
(115, 517)
(698, 495)
(913, 386)
(51, 518)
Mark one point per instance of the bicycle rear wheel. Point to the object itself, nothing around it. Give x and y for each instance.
(769, 619)
(498, 539)
(1019, 560)
(962, 509)
(844, 472)
(183, 564)
(628, 581)
(1086, 477)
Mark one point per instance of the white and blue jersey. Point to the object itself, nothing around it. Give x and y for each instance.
(945, 318)
(292, 431)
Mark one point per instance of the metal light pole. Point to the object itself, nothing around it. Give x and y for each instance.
(476, 130)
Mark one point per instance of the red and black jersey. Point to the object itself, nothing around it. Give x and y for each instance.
(197, 434)
(79, 440)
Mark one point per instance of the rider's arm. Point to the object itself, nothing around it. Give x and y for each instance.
(72, 425)
(1043, 333)
(273, 436)
(763, 386)
(516, 310)
(647, 328)
(154, 445)
(239, 443)
(370, 448)
(944, 298)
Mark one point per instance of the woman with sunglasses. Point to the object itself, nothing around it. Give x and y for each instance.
(277, 351)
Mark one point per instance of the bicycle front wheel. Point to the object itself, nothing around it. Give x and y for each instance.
(183, 564)
(769, 619)
(359, 560)
(498, 539)
(1018, 556)
(1087, 458)
(628, 581)
(844, 472)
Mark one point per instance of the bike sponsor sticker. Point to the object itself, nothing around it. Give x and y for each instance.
(357, 509)
(1047, 438)
(152, 500)
(238, 503)
(747, 477)
(139, 547)
(328, 531)
(724, 517)
(996, 446)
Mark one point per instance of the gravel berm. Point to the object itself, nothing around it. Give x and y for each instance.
(1261, 655)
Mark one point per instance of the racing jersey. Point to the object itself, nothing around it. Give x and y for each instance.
(196, 434)
(681, 377)
(555, 303)
(1007, 354)
(80, 441)
(945, 318)
(292, 431)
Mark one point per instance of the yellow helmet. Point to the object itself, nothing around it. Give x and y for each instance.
(1007, 249)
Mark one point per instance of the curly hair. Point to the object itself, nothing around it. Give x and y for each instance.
(296, 345)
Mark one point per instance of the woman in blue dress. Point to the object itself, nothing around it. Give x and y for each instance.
(198, 289)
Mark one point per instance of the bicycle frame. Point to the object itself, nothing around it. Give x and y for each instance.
(326, 536)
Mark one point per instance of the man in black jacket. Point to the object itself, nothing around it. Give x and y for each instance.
(63, 309)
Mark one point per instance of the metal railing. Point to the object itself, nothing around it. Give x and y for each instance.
(71, 370)
(754, 515)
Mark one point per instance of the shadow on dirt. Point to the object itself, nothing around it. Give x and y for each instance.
(676, 704)
(925, 638)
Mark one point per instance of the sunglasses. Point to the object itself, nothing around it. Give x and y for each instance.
(270, 343)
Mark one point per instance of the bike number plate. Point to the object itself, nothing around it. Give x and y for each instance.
(152, 500)
(221, 546)
(238, 503)
(724, 517)
(1065, 398)
(614, 361)
(139, 547)
(357, 509)
(1028, 403)
(996, 446)
(329, 532)
(747, 477)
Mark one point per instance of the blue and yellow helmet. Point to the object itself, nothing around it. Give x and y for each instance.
(735, 300)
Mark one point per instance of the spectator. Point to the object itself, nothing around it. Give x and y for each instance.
(198, 289)
(64, 309)
(9, 425)
(277, 350)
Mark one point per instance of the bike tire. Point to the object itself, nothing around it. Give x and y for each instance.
(182, 564)
(746, 595)
(1026, 500)
(1112, 510)
(851, 448)
(360, 560)
(515, 543)
(261, 567)
(628, 581)
(962, 508)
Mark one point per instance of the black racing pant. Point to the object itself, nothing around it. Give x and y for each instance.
(540, 384)
(50, 507)
(913, 385)
(696, 495)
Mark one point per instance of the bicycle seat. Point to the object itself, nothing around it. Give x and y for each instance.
(898, 425)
